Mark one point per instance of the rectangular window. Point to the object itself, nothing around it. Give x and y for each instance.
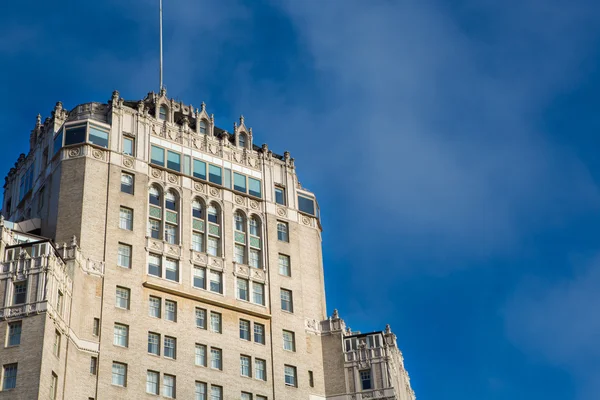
(98, 136)
(170, 347)
(284, 265)
(200, 355)
(254, 258)
(59, 303)
(197, 242)
(200, 318)
(259, 397)
(242, 286)
(93, 365)
(258, 293)
(170, 233)
(311, 379)
(187, 163)
(280, 196)
(227, 178)
(200, 277)
(290, 375)
(154, 343)
(53, 386)
(199, 169)
(259, 333)
(14, 333)
(216, 392)
(238, 254)
(96, 327)
(157, 156)
(214, 174)
(260, 369)
(215, 358)
(213, 246)
(282, 231)
(173, 161)
(154, 265)
(172, 270)
(124, 259)
(286, 300)
(170, 310)
(365, 379)
(121, 335)
(126, 183)
(75, 134)
(119, 374)
(200, 391)
(245, 366)
(56, 347)
(20, 292)
(246, 396)
(126, 218)
(244, 329)
(216, 281)
(154, 228)
(152, 382)
(215, 322)
(9, 376)
(239, 182)
(169, 386)
(289, 341)
(128, 145)
(254, 187)
(122, 297)
(306, 205)
(154, 306)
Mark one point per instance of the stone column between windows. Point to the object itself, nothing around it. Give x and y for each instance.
(7, 292)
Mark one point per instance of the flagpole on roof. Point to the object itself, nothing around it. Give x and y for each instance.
(161, 43)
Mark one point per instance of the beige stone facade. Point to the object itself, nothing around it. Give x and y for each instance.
(182, 261)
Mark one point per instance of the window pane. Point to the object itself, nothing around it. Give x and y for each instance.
(154, 343)
(200, 358)
(284, 265)
(239, 182)
(259, 333)
(154, 265)
(199, 169)
(280, 196)
(227, 178)
(127, 183)
(214, 174)
(119, 374)
(154, 307)
(157, 156)
(98, 136)
(306, 205)
(127, 146)
(173, 161)
(242, 289)
(244, 329)
(254, 187)
(75, 135)
(187, 162)
(172, 270)
(170, 310)
(258, 293)
(282, 231)
(200, 318)
(58, 143)
(199, 277)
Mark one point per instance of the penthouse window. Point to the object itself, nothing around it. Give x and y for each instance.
(307, 205)
(81, 133)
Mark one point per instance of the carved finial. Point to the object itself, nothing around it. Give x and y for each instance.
(286, 155)
(349, 330)
(140, 106)
(203, 106)
(234, 127)
(212, 118)
(38, 121)
(241, 120)
(73, 241)
(163, 91)
(57, 108)
(388, 329)
(265, 147)
(1, 220)
(115, 96)
(336, 315)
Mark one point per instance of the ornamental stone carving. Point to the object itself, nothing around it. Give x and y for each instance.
(74, 152)
(97, 154)
(213, 148)
(128, 162)
(237, 157)
(173, 178)
(239, 200)
(281, 211)
(156, 173)
(252, 161)
(199, 258)
(214, 192)
(306, 220)
(199, 187)
(254, 204)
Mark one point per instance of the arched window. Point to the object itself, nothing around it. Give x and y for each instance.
(242, 140)
(203, 126)
(239, 251)
(171, 217)
(214, 231)
(162, 114)
(197, 226)
(155, 213)
(253, 226)
(239, 222)
(171, 201)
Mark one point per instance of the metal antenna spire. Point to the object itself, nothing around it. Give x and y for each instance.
(161, 44)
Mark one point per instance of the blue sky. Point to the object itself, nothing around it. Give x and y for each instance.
(452, 146)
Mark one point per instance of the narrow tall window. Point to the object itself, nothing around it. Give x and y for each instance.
(162, 113)
(365, 379)
(154, 306)
(170, 347)
(216, 281)
(126, 183)
(152, 382)
(53, 386)
(215, 358)
(14, 333)
(128, 145)
(56, 347)
(259, 333)
(93, 365)
(200, 391)
(286, 300)
(216, 392)
(282, 231)
(9, 376)
(260, 369)
(200, 355)
(284, 265)
(280, 196)
(122, 297)
(119, 374)
(200, 318)
(124, 259)
(126, 218)
(154, 343)
(242, 285)
(215, 322)
(289, 341)
(154, 265)
(246, 396)
(202, 126)
(199, 278)
(59, 303)
(170, 310)
(96, 327)
(121, 335)
(258, 293)
(20, 292)
(311, 379)
(244, 329)
(172, 270)
(169, 386)
(245, 366)
(242, 140)
(254, 261)
(290, 375)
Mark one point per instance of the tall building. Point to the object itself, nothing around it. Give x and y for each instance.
(146, 252)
